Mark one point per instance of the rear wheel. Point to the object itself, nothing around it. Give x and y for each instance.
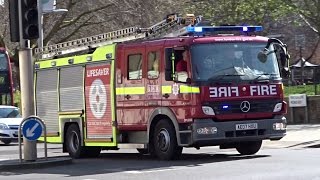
(164, 140)
(73, 142)
(6, 141)
(249, 147)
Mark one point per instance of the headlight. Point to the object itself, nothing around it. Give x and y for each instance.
(3, 126)
(279, 126)
(277, 107)
(208, 110)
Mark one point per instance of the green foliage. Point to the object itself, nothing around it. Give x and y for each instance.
(302, 89)
(17, 98)
(241, 11)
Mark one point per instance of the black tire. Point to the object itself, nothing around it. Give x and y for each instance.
(73, 142)
(249, 147)
(6, 141)
(164, 140)
(92, 152)
(143, 151)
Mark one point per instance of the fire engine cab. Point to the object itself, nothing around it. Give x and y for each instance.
(175, 84)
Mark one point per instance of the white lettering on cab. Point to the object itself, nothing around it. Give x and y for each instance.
(223, 91)
(98, 72)
(263, 90)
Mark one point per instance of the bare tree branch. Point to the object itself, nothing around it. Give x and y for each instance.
(307, 22)
(83, 24)
(85, 13)
(314, 50)
(57, 24)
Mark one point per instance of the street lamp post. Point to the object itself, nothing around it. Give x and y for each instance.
(41, 12)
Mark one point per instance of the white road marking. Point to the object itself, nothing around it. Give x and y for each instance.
(152, 171)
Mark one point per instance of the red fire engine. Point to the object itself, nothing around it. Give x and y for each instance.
(126, 89)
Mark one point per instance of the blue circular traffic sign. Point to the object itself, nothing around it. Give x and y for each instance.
(32, 129)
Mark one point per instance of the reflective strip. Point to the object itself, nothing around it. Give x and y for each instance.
(189, 89)
(52, 139)
(182, 89)
(98, 55)
(130, 90)
(166, 89)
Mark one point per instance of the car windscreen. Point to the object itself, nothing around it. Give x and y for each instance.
(9, 113)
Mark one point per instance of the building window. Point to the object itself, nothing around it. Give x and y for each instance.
(134, 66)
(153, 64)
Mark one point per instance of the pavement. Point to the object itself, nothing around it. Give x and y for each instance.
(298, 136)
(9, 157)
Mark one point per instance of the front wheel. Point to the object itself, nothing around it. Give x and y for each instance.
(73, 142)
(164, 141)
(249, 147)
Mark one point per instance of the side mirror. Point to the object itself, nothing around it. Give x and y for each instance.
(284, 58)
(182, 77)
(263, 55)
(285, 72)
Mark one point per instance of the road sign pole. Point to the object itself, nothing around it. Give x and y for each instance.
(27, 98)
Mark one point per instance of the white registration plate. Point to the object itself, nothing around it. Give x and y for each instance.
(246, 126)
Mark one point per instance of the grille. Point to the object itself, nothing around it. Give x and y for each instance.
(255, 132)
(234, 107)
(14, 127)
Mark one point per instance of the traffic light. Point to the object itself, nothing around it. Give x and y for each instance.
(14, 20)
(29, 16)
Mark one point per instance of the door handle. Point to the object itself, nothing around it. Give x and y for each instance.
(127, 96)
(166, 95)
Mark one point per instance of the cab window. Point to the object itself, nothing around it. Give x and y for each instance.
(153, 64)
(135, 66)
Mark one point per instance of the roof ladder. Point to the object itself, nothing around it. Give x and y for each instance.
(170, 23)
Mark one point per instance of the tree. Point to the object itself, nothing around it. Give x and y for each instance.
(239, 12)
(309, 12)
(91, 17)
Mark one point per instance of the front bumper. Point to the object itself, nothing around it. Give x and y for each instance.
(226, 131)
(8, 134)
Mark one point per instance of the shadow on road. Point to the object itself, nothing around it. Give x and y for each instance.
(131, 162)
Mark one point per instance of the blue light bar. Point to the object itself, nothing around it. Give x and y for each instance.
(207, 29)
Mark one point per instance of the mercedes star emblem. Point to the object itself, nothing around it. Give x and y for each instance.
(245, 106)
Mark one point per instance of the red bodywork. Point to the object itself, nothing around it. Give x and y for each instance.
(134, 113)
(7, 89)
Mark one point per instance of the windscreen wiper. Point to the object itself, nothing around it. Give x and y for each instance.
(264, 74)
(265, 80)
(222, 76)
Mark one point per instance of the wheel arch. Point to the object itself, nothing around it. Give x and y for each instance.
(65, 124)
(162, 113)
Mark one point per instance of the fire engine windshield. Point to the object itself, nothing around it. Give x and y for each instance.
(233, 61)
